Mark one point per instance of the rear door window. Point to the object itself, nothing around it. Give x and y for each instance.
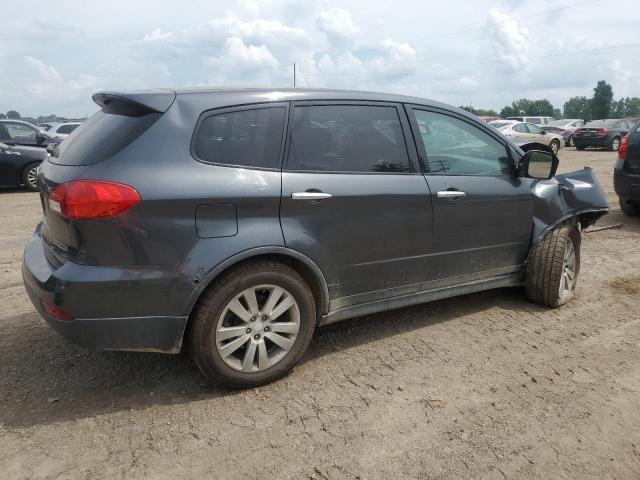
(520, 128)
(247, 138)
(347, 138)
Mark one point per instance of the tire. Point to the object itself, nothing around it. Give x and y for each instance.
(29, 176)
(615, 144)
(241, 367)
(555, 146)
(570, 142)
(546, 279)
(629, 207)
(580, 148)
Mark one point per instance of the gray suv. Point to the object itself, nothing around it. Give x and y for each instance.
(237, 221)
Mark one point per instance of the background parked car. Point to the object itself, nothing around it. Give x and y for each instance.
(534, 120)
(19, 165)
(488, 119)
(626, 175)
(601, 133)
(566, 128)
(62, 130)
(16, 132)
(533, 133)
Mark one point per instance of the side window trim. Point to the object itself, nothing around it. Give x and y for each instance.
(422, 152)
(412, 154)
(239, 108)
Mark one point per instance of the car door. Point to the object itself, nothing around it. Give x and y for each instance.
(482, 211)
(354, 199)
(522, 131)
(20, 134)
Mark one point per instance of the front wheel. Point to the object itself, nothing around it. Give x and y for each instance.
(253, 324)
(555, 146)
(552, 268)
(30, 176)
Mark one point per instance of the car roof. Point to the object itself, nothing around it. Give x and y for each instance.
(245, 95)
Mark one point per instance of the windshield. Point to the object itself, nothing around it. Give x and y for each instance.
(559, 123)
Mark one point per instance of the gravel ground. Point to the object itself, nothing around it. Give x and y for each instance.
(481, 386)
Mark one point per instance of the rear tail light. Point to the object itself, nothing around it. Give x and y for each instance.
(92, 199)
(602, 131)
(56, 312)
(577, 132)
(624, 146)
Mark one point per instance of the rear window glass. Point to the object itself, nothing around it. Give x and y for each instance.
(347, 138)
(67, 128)
(601, 124)
(248, 138)
(101, 137)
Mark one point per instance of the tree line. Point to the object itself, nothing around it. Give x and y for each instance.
(601, 105)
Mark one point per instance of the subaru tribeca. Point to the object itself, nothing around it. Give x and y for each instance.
(237, 221)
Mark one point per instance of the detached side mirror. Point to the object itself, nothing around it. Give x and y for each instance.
(538, 164)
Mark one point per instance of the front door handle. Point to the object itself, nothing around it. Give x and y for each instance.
(310, 196)
(451, 194)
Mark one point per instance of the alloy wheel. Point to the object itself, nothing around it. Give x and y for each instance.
(568, 275)
(257, 328)
(615, 144)
(32, 177)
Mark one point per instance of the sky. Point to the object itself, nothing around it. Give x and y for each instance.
(484, 53)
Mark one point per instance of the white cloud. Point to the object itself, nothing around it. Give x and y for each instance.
(508, 39)
(337, 24)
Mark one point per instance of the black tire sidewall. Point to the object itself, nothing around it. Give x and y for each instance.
(557, 143)
(204, 344)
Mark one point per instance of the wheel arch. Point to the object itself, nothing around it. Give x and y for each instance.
(303, 265)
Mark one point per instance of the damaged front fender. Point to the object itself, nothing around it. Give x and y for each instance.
(576, 195)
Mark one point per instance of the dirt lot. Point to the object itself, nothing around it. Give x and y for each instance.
(483, 386)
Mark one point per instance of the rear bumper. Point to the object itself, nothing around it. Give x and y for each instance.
(625, 183)
(591, 141)
(113, 308)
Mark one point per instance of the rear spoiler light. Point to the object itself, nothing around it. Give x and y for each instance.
(135, 104)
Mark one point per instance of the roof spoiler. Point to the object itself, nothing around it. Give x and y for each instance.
(135, 104)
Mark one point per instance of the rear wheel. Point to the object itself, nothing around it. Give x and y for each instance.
(555, 146)
(253, 325)
(629, 207)
(553, 266)
(571, 142)
(615, 144)
(30, 176)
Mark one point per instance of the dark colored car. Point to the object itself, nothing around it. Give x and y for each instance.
(601, 133)
(19, 165)
(240, 220)
(17, 132)
(626, 175)
(566, 128)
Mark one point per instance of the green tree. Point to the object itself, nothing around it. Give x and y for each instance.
(12, 114)
(632, 106)
(602, 99)
(578, 107)
(481, 112)
(619, 108)
(526, 106)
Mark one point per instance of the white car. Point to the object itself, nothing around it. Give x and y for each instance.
(62, 130)
(530, 132)
(541, 121)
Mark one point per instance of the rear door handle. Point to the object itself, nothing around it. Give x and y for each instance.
(310, 196)
(451, 194)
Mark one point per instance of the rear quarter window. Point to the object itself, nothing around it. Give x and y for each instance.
(247, 138)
